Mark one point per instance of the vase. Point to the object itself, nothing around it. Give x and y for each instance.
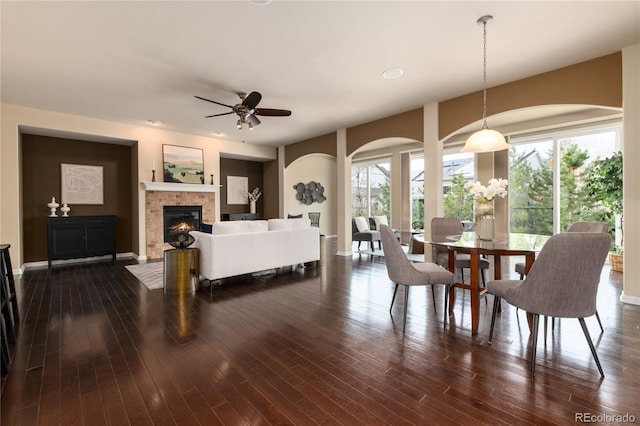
(252, 207)
(53, 205)
(65, 210)
(485, 220)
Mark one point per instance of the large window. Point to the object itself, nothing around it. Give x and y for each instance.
(371, 188)
(457, 169)
(547, 179)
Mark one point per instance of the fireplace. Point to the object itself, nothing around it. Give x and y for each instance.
(179, 220)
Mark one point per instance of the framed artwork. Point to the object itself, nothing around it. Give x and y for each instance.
(182, 165)
(81, 184)
(237, 189)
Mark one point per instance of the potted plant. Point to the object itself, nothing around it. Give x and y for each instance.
(604, 184)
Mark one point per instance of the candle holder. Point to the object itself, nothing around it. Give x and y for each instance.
(211, 178)
(153, 175)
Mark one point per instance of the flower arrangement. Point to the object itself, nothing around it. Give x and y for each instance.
(484, 194)
(255, 194)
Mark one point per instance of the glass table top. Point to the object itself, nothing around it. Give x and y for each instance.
(509, 242)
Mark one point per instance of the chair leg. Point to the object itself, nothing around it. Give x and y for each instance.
(446, 304)
(462, 275)
(534, 343)
(433, 293)
(496, 304)
(393, 298)
(406, 302)
(545, 328)
(484, 284)
(599, 322)
(590, 342)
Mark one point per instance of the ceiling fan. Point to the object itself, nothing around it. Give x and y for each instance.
(247, 111)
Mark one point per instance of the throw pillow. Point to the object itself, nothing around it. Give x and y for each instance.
(361, 224)
(206, 227)
(380, 220)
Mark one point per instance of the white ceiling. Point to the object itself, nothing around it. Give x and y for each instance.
(131, 62)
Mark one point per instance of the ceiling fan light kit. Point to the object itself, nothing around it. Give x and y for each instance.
(485, 140)
(247, 110)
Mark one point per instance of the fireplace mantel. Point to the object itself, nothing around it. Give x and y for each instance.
(178, 187)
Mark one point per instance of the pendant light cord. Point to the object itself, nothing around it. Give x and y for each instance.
(484, 76)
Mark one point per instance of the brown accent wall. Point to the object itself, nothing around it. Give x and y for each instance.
(251, 169)
(41, 159)
(408, 124)
(594, 82)
(326, 144)
(271, 194)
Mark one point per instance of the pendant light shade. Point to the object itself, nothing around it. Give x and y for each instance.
(485, 140)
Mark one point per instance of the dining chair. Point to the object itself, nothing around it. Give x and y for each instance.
(406, 273)
(443, 227)
(580, 226)
(563, 282)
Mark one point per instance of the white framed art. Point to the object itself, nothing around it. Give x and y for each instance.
(237, 190)
(81, 184)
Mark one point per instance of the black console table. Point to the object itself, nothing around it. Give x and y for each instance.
(80, 236)
(240, 216)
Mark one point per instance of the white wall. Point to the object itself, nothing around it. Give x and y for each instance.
(318, 168)
(149, 147)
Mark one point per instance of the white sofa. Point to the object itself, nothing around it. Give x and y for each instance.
(243, 247)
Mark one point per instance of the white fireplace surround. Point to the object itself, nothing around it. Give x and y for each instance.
(178, 187)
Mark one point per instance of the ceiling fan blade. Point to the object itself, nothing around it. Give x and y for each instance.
(218, 115)
(270, 112)
(209, 100)
(252, 100)
(250, 118)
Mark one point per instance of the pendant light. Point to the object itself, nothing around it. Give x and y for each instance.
(485, 140)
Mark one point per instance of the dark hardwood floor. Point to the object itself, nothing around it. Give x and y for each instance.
(312, 346)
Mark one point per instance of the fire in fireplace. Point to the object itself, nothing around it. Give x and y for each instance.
(179, 220)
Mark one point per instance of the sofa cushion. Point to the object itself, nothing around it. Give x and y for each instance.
(277, 224)
(206, 227)
(361, 224)
(239, 226)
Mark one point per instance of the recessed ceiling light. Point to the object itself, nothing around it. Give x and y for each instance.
(392, 73)
(219, 134)
(260, 2)
(154, 122)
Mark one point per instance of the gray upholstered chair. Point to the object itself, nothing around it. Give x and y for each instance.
(441, 228)
(367, 236)
(403, 272)
(574, 227)
(563, 282)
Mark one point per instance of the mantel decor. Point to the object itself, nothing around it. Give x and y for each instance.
(182, 164)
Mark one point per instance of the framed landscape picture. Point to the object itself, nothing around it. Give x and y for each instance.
(182, 165)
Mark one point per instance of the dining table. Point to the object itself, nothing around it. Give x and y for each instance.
(507, 244)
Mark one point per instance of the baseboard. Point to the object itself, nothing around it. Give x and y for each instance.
(632, 300)
(344, 253)
(45, 264)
